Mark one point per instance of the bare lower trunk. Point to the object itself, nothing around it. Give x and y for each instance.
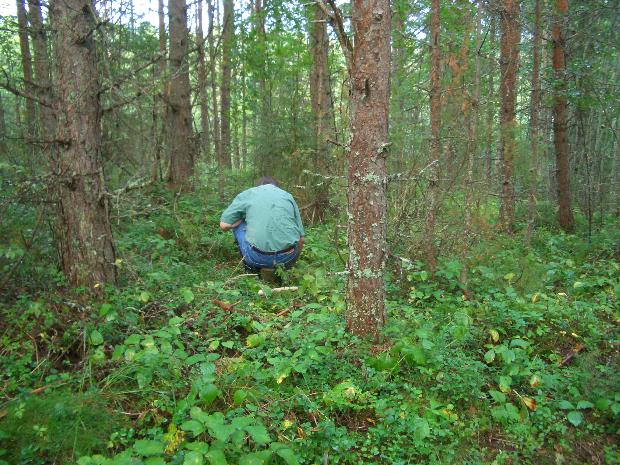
(83, 230)
(205, 132)
(534, 117)
(47, 119)
(215, 113)
(227, 46)
(179, 117)
(320, 91)
(509, 64)
(491, 67)
(565, 213)
(435, 143)
(26, 57)
(370, 91)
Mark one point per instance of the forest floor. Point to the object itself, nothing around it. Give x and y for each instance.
(185, 363)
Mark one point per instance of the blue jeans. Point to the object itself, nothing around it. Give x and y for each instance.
(256, 260)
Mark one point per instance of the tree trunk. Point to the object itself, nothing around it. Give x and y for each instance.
(565, 213)
(509, 64)
(491, 68)
(179, 135)
(24, 46)
(435, 143)
(2, 126)
(227, 45)
(215, 112)
(369, 101)
(202, 86)
(47, 119)
(320, 92)
(83, 231)
(534, 122)
(471, 105)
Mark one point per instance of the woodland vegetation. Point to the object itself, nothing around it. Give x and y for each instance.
(456, 163)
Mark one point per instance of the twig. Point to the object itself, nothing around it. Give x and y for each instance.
(278, 289)
(572, 354)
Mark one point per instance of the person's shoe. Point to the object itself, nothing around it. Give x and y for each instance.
(269, 275)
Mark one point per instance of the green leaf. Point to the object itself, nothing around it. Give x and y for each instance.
(254, 340)
(193, 458)
(195, 359)
(288, 455)
(258, 433)
(216, 457)
(209, 393)
(498, 397)
(95, 338)
(239, 396)
(146, 447)
(565, 405)
(145, 297)
(489, 356)
(422, 429)
(575, 417)
(155, 461)
(197, 414)
(193, 426)
(133, 339)
(220, 431)
(255, 458)
(228, 344)
(584, 404)
(198, 446)
(187, 294)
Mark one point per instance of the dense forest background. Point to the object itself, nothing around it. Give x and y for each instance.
(456, 163)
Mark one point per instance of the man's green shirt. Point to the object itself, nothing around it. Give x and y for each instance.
(272, 216)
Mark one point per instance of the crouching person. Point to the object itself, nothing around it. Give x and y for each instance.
(267, 226)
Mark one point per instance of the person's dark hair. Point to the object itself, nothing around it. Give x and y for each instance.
(267, 180)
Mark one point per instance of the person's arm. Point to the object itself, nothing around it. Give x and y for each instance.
(227, 227)
(234, 214)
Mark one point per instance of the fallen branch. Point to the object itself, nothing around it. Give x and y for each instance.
(278, 289)
(571, 355)
(224, 305)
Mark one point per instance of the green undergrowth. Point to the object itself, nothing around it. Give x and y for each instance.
(185, 363)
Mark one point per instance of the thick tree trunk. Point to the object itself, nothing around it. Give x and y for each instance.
(205, 141)
(370, 96)
(534, 122)
(83, 230)
(435, 143)
(179, 117)
(24, 45)
(509, 64)
(227, 46)
(47, 119)
(565, 213)
(320, 92)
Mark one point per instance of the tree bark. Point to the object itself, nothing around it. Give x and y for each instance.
(558, 35)
(509, 64)
(227, 46)
(534, 122)
(24, 45)
(179, 117)
(215, 113)
(367, 203)
(491, 68)
(320, 92)
(435, 143)
(205, 141)
(47, 119)
(83, 230)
